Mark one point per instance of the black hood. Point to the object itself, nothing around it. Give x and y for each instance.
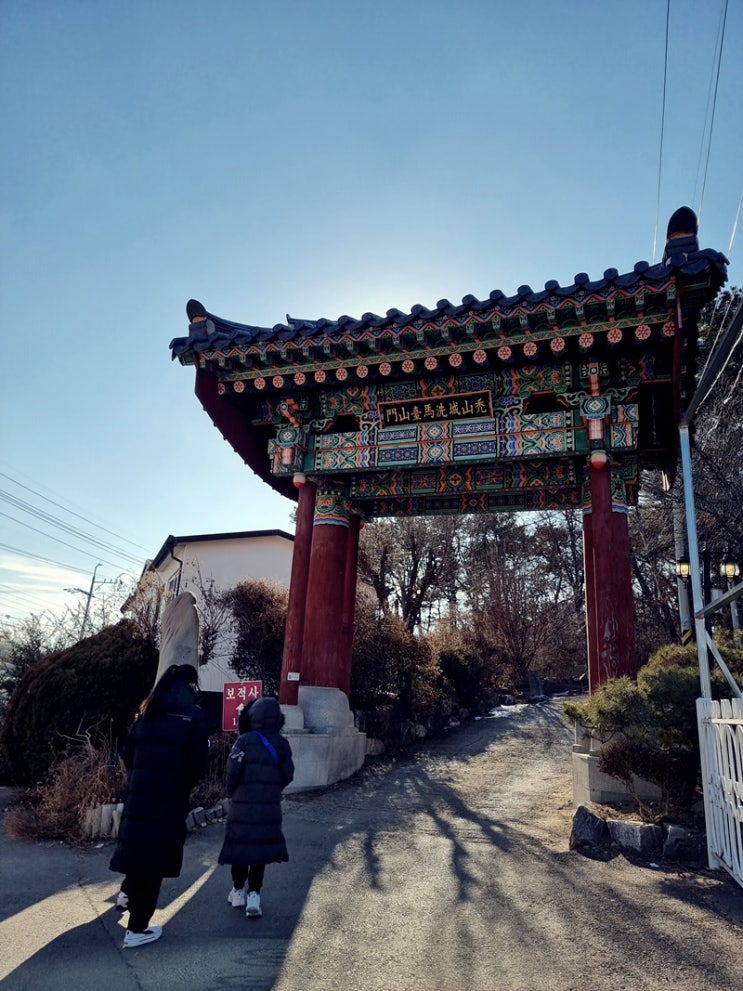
(177, 697)
(265, 715)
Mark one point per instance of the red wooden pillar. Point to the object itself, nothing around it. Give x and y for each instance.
(295, 613)
(349, 601)
(590, 590)
(323, 657)
(610, 619)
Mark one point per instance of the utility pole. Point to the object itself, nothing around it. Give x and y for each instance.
(89, 594)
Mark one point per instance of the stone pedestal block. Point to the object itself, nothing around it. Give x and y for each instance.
(326, 746)
(326, 710)
(293, 719)
(591, 784)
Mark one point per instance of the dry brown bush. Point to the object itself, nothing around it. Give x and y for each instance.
(213, 786)
(57, 808)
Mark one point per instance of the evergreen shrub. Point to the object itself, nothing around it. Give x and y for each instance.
(88, 691)
(649, 728)
(465, 674)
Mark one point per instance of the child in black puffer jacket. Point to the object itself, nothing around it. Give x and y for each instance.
(259, 767)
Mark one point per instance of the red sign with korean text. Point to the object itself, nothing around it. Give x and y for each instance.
(237, 694)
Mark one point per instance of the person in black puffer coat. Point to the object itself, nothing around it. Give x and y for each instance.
(259, 767)
(165, 753)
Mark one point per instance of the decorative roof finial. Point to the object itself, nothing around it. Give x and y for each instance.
(195, 311)
(681, 236)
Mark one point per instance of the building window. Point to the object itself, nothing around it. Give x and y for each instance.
(171, 589)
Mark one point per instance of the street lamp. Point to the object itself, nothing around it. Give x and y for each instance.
(683, 573)
(730, 570)
(729, 567)
(683, 567)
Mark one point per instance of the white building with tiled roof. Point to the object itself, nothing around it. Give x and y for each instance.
(220, 561)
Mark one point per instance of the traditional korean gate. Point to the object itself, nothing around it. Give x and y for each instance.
(539, 400)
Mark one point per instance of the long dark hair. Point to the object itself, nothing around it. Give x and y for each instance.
(183, 673)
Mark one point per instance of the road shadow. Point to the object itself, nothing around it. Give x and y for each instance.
(501, 877)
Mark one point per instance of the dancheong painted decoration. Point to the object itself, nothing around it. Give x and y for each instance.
(485, 405)
(541, 400)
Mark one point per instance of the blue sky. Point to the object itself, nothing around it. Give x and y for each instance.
(312, 158)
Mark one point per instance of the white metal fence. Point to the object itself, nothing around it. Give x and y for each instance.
(721, 742)
(720, 723)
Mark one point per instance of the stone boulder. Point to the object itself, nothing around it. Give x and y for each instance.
(641, 838)
(589, 830)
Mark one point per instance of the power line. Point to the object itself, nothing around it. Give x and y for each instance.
(71, 512)
(735, 225)
(718, 55)
(722, 323)
(716, 364)
(46, 560)
(73, 531)
(56, 539)
(7, 591)
(709, 119)
(32, 597)
(662, 129)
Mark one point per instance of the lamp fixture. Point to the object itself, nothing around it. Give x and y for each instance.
(683, 567)
(729, 567)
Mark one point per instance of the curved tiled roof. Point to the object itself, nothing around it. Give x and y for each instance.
(209, 333)
(244, 373)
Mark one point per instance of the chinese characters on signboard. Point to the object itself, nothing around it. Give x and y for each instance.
(461, 406)
(236, 695)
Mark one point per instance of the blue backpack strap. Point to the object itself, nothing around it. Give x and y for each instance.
(269, 747)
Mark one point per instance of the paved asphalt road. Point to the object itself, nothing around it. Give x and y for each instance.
(446, 871)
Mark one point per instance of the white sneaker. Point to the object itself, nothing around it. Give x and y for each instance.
(236, 898)
(139, 939)
(122, 900)
(253, 906)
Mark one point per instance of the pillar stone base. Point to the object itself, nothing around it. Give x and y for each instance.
(326, 746)
(592, 785)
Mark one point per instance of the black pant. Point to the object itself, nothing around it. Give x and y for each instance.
(253, 875)
(143, 892)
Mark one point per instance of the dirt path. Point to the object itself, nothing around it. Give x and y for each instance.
(446, 871)
(452, 871)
